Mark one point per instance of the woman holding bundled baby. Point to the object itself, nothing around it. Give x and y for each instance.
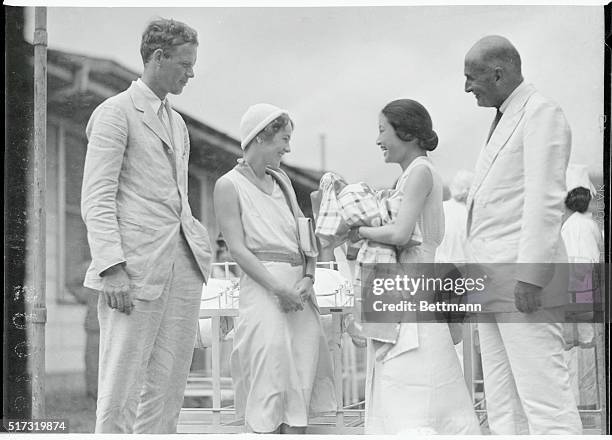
(415, 385)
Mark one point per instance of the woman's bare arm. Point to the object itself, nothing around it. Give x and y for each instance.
(417, 187)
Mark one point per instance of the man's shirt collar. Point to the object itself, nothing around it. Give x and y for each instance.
(150, 96)
(515, 92)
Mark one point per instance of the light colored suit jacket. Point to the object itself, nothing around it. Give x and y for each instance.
(516, 202)
(134, 195)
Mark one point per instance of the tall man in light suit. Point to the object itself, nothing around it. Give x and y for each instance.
(515, 211)
(150, 256)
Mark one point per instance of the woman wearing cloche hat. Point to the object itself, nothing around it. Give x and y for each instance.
(281, 366)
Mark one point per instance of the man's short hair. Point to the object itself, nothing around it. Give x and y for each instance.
(165, 34)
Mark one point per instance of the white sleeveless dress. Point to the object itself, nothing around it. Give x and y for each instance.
(420, 390)
(281, 365)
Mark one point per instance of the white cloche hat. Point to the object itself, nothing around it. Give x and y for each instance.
(255, 119)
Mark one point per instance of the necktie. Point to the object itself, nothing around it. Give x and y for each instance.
(162, 113)
(498, 116)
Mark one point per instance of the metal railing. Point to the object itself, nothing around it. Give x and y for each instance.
(217, 419)
(349, 415)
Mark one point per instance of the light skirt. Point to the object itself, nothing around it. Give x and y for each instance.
(421, 391)
(281, 365)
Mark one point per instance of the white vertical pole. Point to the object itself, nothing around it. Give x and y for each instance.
(35, 259)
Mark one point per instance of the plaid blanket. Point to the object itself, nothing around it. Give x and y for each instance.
(330, 227)
(342, 207)
(345, 206)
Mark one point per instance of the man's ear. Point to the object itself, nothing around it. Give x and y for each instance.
(499, 73)
(157, 55)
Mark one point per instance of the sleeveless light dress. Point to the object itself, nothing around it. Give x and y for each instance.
(420, 390)
(281, 365)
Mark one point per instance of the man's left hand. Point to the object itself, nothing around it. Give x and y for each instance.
(527, 297)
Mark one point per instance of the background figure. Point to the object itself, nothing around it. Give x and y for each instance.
(222, 255)
(580, 232)
(515, 210)
(452, 248)
(150, 256)
(584, 244)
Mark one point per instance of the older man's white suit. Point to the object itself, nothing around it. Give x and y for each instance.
(135, 207)
(515, 211)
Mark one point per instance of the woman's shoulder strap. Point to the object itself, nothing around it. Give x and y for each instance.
(415, 163)
(279, 174)
(284, 182)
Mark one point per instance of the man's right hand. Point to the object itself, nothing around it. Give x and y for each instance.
(527, 297)
(117, 289)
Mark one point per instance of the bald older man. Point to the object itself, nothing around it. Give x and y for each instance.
(515, 211)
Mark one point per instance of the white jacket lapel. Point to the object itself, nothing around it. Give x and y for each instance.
(499, 138)
(507, 125)
(149, 117)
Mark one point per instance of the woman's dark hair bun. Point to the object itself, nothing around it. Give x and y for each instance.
(431, 142)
